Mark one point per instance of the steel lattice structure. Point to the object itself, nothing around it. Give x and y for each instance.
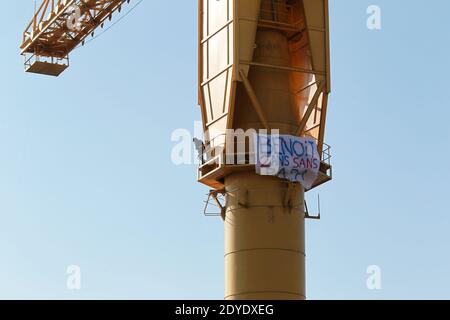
(59, 26)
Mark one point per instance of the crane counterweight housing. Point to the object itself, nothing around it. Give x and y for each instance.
(58, 27)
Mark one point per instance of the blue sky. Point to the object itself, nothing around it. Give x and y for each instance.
(86, 176)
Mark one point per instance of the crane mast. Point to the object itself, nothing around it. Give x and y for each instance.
(264, 66)
(58, 27)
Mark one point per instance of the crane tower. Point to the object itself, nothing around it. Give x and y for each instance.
(263, 67)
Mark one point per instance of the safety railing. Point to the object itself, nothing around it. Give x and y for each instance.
(325, 157)
(242, 149)
(31, 58)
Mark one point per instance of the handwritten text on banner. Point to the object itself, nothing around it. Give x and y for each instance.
(287, 157)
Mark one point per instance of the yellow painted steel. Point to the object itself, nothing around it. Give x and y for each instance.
(272, 86)
(263, 64)
(264, 225)
(264, 239)
(227, 32)
(58, 27)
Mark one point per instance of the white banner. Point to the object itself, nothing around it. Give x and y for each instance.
(287, 157)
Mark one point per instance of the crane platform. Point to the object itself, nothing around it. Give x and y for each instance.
(58, 27)
(212, 170)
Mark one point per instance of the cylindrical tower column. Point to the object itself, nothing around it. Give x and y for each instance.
(264, 225)
(264, 239)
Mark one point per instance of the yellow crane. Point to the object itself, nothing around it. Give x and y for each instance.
(264, 65)
(58, 27)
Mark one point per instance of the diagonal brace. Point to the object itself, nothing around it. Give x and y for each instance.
(311, 106)
(254, 100)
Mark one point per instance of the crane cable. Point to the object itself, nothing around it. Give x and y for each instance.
(127, 13)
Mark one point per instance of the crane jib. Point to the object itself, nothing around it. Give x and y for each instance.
(58, 27)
